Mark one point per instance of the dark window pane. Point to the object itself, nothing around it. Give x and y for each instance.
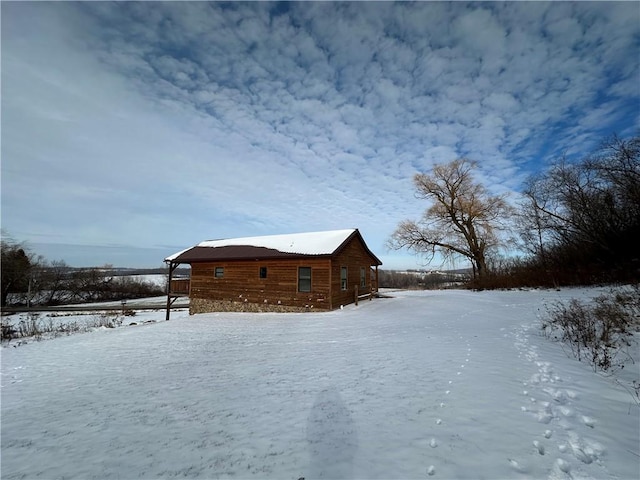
(304, 279)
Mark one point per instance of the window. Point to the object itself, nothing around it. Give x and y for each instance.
(343, 278)
(363, 277)
(219, 272)
(263, 272)
(304, 279)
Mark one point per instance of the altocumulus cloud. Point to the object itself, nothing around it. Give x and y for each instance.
(167, 123)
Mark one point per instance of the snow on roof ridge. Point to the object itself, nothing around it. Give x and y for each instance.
(305, 243)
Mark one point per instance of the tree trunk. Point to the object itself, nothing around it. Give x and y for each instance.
(480, 264)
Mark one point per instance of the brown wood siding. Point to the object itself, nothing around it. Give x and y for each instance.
(354, 256)
(242, 282)
(180, 286)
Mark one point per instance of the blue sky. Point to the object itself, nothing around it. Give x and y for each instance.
(134, 130)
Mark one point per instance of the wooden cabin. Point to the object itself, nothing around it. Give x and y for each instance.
(296, 272)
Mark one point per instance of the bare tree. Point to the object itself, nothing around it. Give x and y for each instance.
(463, 220)
(53, 282)
(586, 213)
(16, 267)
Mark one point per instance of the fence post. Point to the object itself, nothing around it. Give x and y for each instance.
(356, 294)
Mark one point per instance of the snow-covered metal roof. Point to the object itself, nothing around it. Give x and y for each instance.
(293, 244)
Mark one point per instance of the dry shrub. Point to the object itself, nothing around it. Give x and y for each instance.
(599, 331)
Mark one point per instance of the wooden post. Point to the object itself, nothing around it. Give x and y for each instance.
(172, 267)
(356, 294)
(377, 280)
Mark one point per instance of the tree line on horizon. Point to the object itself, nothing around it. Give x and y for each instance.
(28, 279)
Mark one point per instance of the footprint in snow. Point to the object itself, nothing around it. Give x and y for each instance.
(585, 450)
(433, 443)
(547, 433)
(558, 395)
(563, 466)
(438, 421)
(544, 417)
(588, 421)
(539, 447)
(431, 470)
(567, 412)
(581, 455)
(517, 466)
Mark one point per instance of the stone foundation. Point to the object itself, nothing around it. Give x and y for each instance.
(200, 305)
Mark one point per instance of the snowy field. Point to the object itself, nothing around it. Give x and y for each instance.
(437, 384)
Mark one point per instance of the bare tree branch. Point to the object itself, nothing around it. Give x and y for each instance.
(462, 220)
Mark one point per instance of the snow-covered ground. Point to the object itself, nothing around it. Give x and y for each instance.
(437, 384)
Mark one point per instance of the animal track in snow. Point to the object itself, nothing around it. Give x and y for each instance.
(517, 466)
(582, 456)
(562, 410)
(431, 470)
(433, 443)
(587, 451)
(588, 421)
(539, 447)
(438, 421)
(545, 414)
(563, 466)
(558, 395)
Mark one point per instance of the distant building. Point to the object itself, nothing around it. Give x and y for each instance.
(295, 272)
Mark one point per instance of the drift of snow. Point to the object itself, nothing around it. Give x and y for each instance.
(308, 243)
(444, 384)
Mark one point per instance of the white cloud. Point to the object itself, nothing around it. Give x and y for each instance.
(204, 119)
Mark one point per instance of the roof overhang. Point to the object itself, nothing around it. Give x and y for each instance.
(306, 245)
(199, 254)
